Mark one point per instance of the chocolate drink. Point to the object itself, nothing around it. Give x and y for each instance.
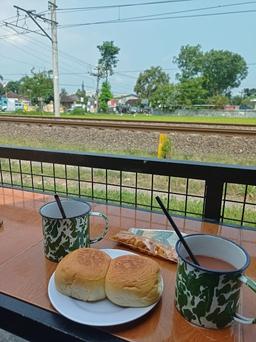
(213, 263)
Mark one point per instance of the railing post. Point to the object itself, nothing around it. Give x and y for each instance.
(213, 198)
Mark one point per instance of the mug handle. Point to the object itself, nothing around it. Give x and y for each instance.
(95, 213)
(252, 285)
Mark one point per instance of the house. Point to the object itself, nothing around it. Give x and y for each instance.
(68, 101)
(16, 102)
(253, 102)
(123, 103)
(125, 99)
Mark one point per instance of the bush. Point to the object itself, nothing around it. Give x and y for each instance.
(219, 101)
(78, 111)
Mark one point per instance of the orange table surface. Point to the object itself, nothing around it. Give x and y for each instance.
(25, 271)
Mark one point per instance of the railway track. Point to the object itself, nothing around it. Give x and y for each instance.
(157, 126)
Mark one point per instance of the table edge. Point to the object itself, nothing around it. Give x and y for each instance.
(34, 323)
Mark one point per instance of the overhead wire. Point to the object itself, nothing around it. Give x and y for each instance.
(149, 3)
(85, 75)
(193, 10)
(26, 51)
(69, 59)
(37, 42)
(134, 19)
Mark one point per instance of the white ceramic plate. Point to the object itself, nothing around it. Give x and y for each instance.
(102, 313)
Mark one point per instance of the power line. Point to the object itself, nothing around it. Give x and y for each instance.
(18, 18)
(192, 10)
(136, 71)
(16, 60)
(71, 59)
(67, 55)
(127, 20)
(82, 63)
(13, 34)
(26, 51)
(12, 22)
(84, 73)
(165, 69)
(89, 8)
(34, 41)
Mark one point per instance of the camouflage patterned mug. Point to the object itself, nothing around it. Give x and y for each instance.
(62, 236)
(207, 297)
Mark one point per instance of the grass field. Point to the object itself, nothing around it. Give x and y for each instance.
(145, 117)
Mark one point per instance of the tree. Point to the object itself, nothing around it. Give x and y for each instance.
(192, 92)
(149, 81)
(247, 92)
(38, 86)
(221, 70)
(105, 96)
(108, 60)
(189, 62)
(165, 97)
(219, 101)
(13, 86)
(237, 100)
(187, 93)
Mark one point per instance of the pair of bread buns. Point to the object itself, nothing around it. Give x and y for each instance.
(89, 274)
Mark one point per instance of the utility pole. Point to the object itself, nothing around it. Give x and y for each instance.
(98, 74)
(55, 63)
(53, 38)
(97, 91)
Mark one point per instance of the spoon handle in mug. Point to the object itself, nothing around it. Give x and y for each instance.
(252, 285)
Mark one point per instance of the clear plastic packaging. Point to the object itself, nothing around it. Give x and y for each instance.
(145, 245)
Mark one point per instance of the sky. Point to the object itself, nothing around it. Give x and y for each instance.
(142, 43)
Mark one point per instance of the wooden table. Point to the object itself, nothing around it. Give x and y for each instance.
(25, 273)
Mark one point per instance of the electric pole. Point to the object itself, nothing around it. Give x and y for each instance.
(53, 38)
(55, 63)
(98, 74)
(97, 91)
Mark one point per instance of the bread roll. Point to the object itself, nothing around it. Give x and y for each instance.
(81, 274)
(133, 281)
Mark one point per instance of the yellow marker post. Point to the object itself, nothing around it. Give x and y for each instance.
(164, 146)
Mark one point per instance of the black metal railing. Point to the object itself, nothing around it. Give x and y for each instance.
(216, 192)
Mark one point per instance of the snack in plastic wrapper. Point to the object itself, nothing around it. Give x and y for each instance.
(145, 245)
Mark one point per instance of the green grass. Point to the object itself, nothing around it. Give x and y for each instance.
(144, 117)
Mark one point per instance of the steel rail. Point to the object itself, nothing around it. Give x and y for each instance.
(157, 126)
